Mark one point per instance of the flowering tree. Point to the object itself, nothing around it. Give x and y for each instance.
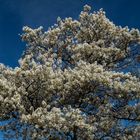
(77, 81)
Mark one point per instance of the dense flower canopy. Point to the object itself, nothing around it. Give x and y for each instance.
(77, 81)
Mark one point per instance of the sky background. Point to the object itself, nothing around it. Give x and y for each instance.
(14, 14)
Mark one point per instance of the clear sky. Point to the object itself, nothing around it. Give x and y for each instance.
(14, 14)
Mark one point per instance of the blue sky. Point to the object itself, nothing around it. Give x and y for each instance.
(14, 14)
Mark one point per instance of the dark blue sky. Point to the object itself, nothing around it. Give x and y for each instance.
(14, 14)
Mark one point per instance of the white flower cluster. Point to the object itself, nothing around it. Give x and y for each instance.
(93, 52)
